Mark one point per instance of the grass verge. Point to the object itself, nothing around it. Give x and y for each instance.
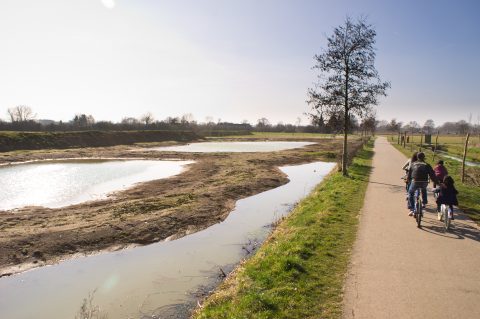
(469, 194)
(300, 270)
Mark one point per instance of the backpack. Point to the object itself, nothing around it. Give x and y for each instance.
(420, 171)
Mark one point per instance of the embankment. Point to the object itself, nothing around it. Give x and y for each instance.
(300, 270)
(12, 141)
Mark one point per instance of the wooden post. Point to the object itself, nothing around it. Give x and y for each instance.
(404, 139)
(421, 141)
(411, 142)
(435, 149)
(464, 157)
(398, 138)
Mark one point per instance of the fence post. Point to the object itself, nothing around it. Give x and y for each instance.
(411, 141)
(435, 149)
(421, 141)
(404, 139)
(464, 156)
(398, 138)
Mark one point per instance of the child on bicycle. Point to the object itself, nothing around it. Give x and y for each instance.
(440, 171)
(447, 194)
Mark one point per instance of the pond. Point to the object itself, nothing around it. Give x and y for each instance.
(233, 147)
(157, 279)
(66, 182)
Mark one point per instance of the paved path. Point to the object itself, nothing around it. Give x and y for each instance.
(400, 271)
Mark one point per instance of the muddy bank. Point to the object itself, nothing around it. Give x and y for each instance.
(11, 141)
(149, 212)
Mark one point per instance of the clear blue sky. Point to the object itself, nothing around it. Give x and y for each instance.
(230, 60)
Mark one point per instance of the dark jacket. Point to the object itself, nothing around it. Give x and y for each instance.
(447, 195)
(420, 171)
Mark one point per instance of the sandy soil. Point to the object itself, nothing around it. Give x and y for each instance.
(201, 196)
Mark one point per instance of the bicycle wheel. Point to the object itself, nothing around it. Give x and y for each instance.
(419, 212)
(446, 217)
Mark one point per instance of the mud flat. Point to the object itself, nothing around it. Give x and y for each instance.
(149, 212)
(159, 279)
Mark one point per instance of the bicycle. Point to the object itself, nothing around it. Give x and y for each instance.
(418, 204)
(445, 215)
(418, 212)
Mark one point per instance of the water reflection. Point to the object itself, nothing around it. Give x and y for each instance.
(60, 183)
(234, 147)
(159, 278)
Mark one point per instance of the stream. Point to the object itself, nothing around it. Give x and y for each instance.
(161, 280)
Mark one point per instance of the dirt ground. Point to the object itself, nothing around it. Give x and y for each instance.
(149, 212)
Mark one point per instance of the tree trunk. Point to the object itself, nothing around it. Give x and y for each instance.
(345, 140)
(345, 122)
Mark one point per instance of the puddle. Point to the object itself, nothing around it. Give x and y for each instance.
(159, 279)
(233, 147)
(60, 183)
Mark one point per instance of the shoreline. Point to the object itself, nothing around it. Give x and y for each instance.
(202, 195)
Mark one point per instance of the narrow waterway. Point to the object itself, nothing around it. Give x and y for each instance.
(66, 182)
(160, 279)
(458, 159)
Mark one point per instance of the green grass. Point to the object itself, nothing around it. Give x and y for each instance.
(469, 194)
(453, 144)
(299, 272)
(289, 135)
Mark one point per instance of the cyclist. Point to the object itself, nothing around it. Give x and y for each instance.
(447, 194)
(418, 174)
(406, 168)
(440, 171)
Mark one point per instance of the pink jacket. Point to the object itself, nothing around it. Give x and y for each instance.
(440, 172)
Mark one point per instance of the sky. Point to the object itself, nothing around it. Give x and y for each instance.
(229, 60)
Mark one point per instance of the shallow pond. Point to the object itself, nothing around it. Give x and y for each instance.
(157, 279)
(233, 147)
(61, 183)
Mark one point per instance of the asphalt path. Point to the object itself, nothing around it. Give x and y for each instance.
(400, 271)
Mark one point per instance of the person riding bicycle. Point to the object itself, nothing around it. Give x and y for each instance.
(440, 171)
(406, 168)
(447, 194)
(418, 174)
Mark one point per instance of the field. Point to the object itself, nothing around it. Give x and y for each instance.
(453, 144)
(14, 141)
(286, 136)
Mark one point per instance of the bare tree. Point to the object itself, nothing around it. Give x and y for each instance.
(129, 121)
(83, 121)
(187, 118)
(429, 126)
(147, 118)
(394, 126)
(20, 113)
(348, 80)
(263, 122)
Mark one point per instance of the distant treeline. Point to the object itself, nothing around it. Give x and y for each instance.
(83, 122)
(10, 141)
(461, 127)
